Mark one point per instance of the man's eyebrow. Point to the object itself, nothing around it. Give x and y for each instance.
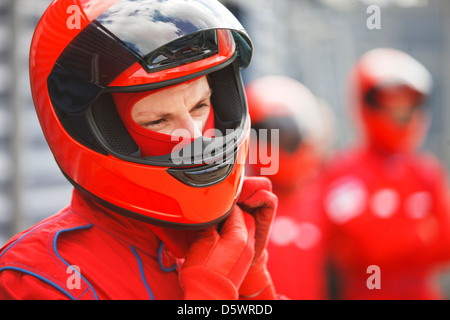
(206, 95)
(162, 115)
(155, 114)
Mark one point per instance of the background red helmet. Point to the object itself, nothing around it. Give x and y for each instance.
(84, 50)
(304, 124)
(387, 91)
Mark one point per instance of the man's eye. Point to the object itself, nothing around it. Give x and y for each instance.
(154, 123)
(200, 106)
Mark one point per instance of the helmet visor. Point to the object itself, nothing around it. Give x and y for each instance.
(288, 129)
(398, 102)
(130, 21)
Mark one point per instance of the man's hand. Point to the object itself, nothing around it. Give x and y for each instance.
(258, 200)
(217, 262)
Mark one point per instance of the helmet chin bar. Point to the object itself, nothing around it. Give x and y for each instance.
(142, 218)
(205, 175)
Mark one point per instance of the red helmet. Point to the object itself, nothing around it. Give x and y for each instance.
(388, 88)
(84, 50)
(286, 105)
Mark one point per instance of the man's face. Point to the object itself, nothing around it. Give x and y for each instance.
(399, 122)
(181, 110)
(399, 104)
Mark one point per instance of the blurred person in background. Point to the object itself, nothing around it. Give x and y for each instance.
(283, 106)
(386, 201)
(115, 93)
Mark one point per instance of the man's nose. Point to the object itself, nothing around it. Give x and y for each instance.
(190, 128)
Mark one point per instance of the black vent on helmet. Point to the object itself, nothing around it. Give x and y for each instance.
(184, 50)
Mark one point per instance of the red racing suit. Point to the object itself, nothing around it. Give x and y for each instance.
(88, 253)
(391, 213)
(296, 247)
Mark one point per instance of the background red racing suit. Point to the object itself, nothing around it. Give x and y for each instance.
(390, 211)
(296, 248)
